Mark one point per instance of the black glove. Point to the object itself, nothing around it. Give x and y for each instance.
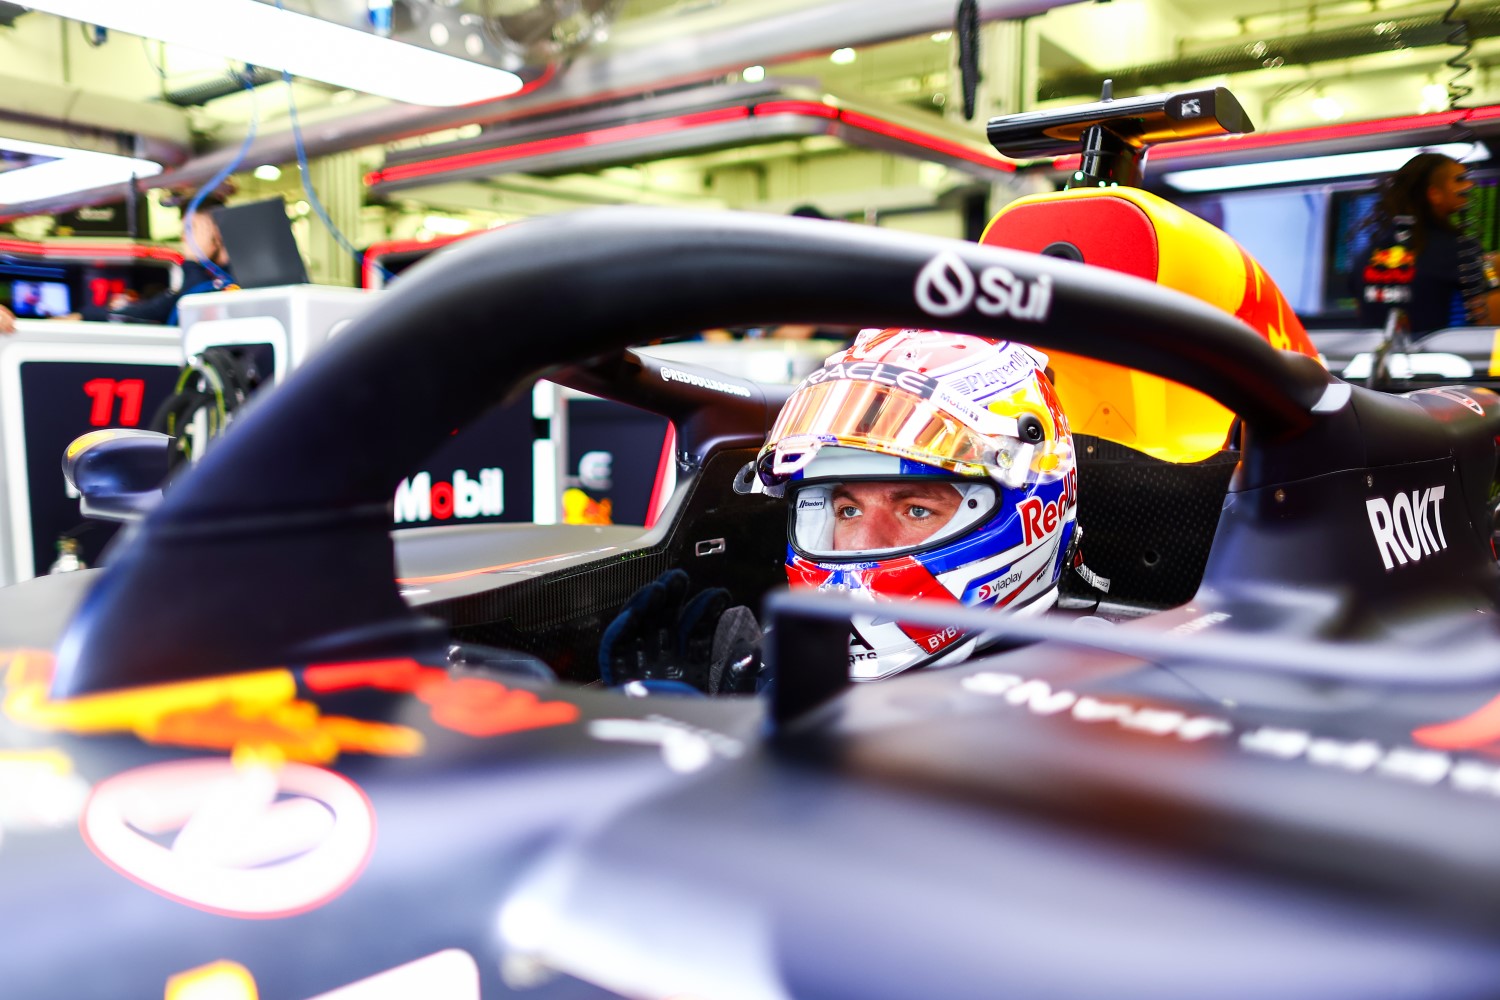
(735, 666)
(663, 634)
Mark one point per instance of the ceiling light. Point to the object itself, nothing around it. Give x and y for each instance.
(753, 74)
(1327, 108)
(941, 36)
(265, 35)
(1434, 98)
(1312, 168)
(445, 225)
(267, 172)
(842, 57)
(33, 171)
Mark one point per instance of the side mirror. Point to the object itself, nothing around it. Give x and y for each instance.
(118, 472)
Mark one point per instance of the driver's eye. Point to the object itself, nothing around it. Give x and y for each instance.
(846, 511)
(918, 513)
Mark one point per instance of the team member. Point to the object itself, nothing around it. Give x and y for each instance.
(206, 270)
(209, 272)
(1420, 259)
(919, 464)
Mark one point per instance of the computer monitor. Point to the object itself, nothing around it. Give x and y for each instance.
(39, 299)
(262, 251)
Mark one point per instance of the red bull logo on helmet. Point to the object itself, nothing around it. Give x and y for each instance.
(1038, 519)
(419, 499)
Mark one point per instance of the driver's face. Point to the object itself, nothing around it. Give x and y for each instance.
(888, 515)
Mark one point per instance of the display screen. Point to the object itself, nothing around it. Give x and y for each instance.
(61, 400)
(39, 299)
(613, 453)
(1348, 242)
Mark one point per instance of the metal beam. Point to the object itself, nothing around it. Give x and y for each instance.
(164, 131)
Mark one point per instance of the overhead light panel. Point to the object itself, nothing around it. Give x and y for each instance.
(1434, 98)
(1314, 168)
(262, 34)
(1327, 108)
(445, 225)
(34, 171)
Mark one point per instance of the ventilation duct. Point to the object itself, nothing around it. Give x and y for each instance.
(199, 94)
(1385, 35)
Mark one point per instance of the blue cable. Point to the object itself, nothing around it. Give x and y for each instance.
(219, 178)
(307, 188)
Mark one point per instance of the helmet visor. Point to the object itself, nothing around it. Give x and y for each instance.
(867, 518)
(874, 417)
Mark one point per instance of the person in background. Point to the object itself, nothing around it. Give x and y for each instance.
(1448, 280)
(205, 268)
(205, 246)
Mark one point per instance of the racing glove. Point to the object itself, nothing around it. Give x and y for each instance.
(663, 633)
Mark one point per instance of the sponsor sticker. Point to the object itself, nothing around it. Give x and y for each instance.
(946, 286)
(242, 840)
(684, 748)
(1409, 527)
(419, 499)
(703, 382)
(1039, 520)
(993, 374)
(877, 371)
(1200, 623)
(918, 384)
(1407, 764)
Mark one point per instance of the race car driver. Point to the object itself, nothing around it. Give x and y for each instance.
(915, 465)
(920, 464)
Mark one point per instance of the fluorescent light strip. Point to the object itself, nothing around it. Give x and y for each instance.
(68, 171)
(1312, 168)
(264, 35)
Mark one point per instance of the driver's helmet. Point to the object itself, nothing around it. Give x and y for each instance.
(920, 464)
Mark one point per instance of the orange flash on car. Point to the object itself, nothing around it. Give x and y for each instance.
(473, 706)
(1479, 728)
(221, 713)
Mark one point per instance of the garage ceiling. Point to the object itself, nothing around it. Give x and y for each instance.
(1291, 64)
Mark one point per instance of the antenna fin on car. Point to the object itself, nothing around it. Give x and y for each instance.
(807, 655)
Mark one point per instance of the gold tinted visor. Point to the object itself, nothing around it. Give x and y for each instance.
(874, 417)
